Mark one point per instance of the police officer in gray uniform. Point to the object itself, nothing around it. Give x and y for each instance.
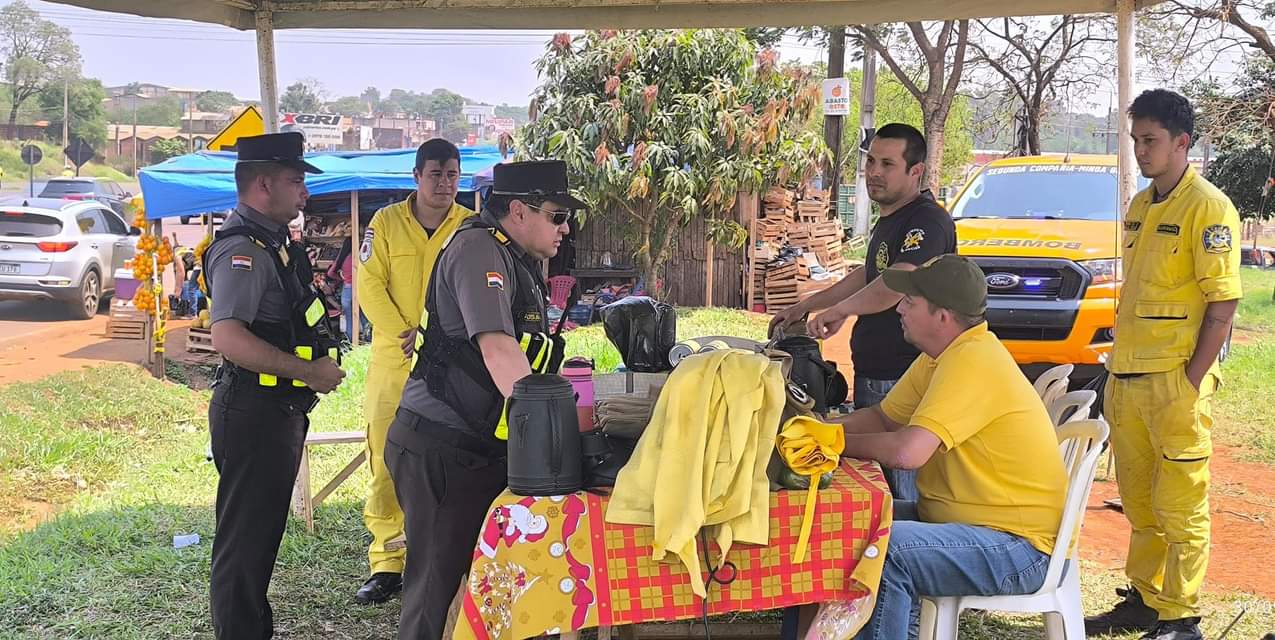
(486, 329)
(279, 351)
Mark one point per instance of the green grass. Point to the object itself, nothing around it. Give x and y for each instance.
(122, 456)
(1242, 409)
(591, 341)
(50, 165)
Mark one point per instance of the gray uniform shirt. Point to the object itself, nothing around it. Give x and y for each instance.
(473, 285)
(242, 278)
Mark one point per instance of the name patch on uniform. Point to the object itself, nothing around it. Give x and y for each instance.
(1171, 229)
(1132, 225)
(365, 249)
(912, 241)
(242, 263)
(1217, 239)
(495, 280)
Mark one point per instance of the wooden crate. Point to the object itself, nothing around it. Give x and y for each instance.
(127, 323)
(199, 340)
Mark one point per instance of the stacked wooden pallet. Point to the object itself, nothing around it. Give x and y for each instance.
(126, 322)
(813, 207)
(781, 286)
(823, 239)
(199, 340)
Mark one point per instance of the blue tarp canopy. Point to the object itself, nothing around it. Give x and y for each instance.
(204, 182)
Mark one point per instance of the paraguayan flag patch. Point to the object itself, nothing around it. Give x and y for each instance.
(495, 280)
(242, 263)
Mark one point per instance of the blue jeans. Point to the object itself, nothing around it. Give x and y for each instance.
(347, 312)
(928, 559)
(868, 392)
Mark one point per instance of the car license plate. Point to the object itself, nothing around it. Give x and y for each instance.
(10, 268)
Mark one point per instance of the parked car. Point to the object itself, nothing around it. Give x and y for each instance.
(106, 191)
(65, 251)
(1046, 231)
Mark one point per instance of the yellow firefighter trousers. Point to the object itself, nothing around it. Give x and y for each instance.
(381, 513)
(1160, 433)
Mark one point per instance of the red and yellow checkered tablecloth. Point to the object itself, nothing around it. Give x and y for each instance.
(553, 565)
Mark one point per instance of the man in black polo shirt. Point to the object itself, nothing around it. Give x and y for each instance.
(913, 228)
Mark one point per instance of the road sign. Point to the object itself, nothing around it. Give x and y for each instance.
(79, 152)
(247, 123)
(32, 155)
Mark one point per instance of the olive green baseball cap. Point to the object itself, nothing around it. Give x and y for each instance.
(948, 281)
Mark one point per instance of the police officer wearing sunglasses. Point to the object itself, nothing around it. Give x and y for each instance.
(279, 351)
(485, 327)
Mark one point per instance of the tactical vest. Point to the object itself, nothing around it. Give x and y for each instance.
(446, 363)
(309, 332)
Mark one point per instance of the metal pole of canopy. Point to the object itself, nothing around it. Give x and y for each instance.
(356, 325)
(1126, 38)
(266, 70)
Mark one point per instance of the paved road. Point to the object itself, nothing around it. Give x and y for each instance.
(37, 320)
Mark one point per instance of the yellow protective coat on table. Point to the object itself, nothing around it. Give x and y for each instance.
(1179, 255)
(702, 459)
(396, 259)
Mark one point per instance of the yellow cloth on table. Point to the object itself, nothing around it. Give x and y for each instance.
(811, 448)
(702, 459)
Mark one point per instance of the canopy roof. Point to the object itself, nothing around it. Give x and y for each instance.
(205, 181)
(586, 14)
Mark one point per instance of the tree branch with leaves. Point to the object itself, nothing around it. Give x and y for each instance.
(36, 52)
(930, 67)
(660, 127)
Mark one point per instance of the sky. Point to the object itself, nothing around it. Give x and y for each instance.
(495, 67)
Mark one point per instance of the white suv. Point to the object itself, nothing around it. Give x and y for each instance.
(63, 251)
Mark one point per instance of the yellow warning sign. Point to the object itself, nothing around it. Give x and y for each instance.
(247, 123)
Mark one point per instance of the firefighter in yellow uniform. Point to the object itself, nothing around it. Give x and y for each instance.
(1181, 288)
(396, 259)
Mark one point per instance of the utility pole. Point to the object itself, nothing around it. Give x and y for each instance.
(134, 134)
(833, 125)
(66, 111)
(867, 125)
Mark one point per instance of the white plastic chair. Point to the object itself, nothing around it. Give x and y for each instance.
(1058, 599)
(1047, 379)
(1072, 406)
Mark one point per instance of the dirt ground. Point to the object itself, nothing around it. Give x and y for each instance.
(1242, 504)
(1242, 495)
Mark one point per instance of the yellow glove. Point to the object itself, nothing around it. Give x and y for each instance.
(810, 448)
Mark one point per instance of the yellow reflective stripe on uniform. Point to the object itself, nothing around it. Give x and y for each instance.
(314, 313)
(267, 380)
(305, 352)
(502, 427)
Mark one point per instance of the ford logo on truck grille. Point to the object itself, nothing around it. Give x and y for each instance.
(1003, 281)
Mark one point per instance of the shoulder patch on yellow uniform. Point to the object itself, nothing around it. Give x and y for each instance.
(1217, 238)
(1132, 225)
(365, 250)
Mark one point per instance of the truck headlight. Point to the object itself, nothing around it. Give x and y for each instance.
(1103, 271)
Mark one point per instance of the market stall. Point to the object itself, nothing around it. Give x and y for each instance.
(343, 199)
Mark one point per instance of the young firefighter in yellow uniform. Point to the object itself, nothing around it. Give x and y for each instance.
(395, 262)
(1181, 288)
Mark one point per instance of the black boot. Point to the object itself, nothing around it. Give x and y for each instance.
(1130, 614)
(1180, 629)
(379, 588)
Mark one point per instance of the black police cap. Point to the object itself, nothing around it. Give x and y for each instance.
(283, 148)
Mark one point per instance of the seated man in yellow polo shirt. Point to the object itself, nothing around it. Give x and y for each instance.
(990, 478)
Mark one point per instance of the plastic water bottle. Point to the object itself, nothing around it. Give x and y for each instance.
(579, 372)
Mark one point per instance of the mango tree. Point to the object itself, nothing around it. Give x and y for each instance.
(659, 127)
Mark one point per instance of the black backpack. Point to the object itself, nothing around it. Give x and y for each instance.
(820, 378)
(643, 331)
